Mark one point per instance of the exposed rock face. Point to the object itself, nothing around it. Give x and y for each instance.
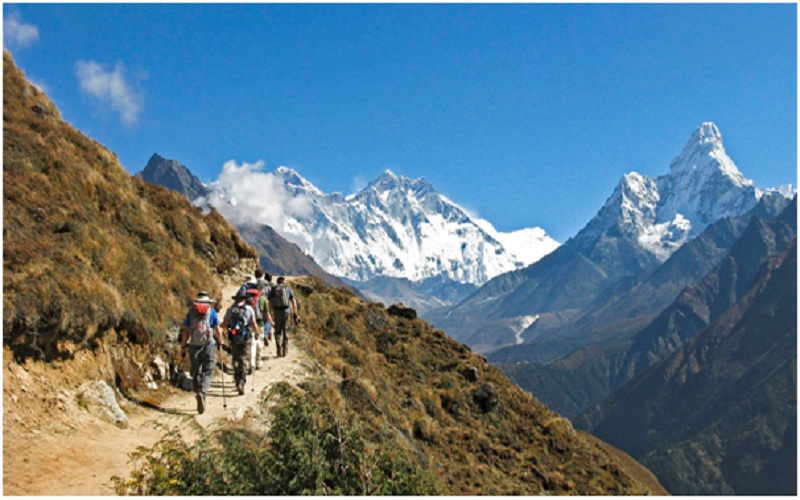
(173, 175)
(402, 310)
(486, 398)
(100, 400)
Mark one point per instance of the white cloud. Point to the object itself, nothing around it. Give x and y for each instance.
(17, 33)
(245, 194)
(110, 88)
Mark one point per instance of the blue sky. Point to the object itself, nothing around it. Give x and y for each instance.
(528, 114)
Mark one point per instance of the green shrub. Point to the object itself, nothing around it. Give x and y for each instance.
(313, 446)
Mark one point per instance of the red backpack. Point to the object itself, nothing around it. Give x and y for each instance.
(253, 293)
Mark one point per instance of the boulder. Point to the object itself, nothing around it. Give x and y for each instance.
(160, 369)
(472, 374)
(485, 398)
(99, 399)
(402, 311)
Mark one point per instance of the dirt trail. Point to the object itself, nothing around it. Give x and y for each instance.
(61, 449)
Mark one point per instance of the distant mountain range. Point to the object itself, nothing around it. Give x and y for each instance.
(276, 255)
(397, 239)
(636, 326)
(643, 223)
(692, 289)
(173, 175)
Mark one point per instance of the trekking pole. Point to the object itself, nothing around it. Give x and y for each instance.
(256, 362)
(222, 378)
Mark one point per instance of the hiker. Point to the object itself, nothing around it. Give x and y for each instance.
(282, 302)
(264, 319)
(264, 281)
(241, 326)
(253, 290)
(200, 332)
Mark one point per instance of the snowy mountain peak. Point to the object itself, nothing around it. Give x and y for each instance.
(295, 182)
(704, 156)
(660, 214)
(396, 227)
(707, 133)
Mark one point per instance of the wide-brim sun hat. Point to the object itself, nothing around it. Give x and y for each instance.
(240, 296)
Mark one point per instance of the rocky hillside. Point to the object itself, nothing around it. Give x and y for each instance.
(89, 250)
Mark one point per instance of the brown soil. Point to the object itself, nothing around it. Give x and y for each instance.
(54, 446)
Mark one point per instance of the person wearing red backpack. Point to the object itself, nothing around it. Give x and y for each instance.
(201, 337)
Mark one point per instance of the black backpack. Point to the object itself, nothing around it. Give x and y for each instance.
(238, 329)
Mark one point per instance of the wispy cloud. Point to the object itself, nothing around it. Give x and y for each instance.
(245, 194)
(17, 33)
(110, 88)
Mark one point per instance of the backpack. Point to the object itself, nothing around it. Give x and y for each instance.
(238, 330)
(280, 297)
(253, 293)
(264, 286)
(200, 325)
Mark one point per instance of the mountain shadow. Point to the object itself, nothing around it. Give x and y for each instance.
(718, 415)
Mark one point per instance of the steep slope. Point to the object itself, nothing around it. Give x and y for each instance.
(586, 376)
(89, 250)
(719, 415)
(643, 223)
(173, 175)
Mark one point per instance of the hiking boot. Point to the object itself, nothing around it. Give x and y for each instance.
(240, 387)
(201, 403)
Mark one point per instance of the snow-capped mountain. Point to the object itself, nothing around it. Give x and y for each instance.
(403, 228)
(660, 214)
(644, 222)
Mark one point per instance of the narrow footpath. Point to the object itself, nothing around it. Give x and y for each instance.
(80, 454)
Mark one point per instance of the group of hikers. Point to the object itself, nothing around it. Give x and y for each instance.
(258, 308)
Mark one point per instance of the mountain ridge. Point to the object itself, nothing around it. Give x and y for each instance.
(639, 227)
(394, 227)
(727, 397)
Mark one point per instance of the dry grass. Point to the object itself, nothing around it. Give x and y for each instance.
(406, 382)
(87, 247)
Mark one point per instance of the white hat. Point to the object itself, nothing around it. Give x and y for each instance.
(250, 279)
